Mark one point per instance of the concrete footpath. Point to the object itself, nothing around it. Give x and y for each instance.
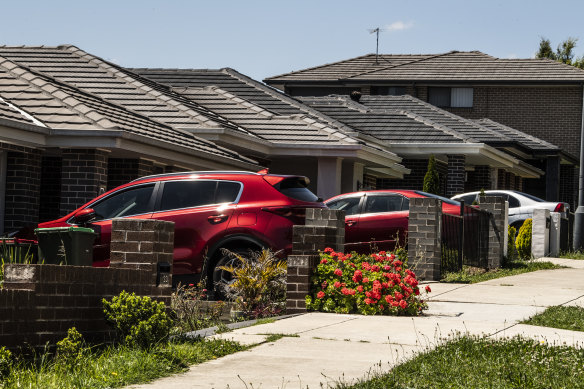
(322, 349)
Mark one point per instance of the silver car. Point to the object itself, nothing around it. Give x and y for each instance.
(521, 205)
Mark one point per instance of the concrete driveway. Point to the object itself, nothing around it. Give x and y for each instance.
(322, 349)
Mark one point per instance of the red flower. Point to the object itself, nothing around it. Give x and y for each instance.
(320, 294)
(338, 272)
(324, 284)
(386, 268)
(368, 301)
(337, 284)
(428, 290)
(357, 276)
(365, 280)
(388, 298)
(398, 296)
(375, 268)
(323, 260)
(403, 304)
(329, 250)
(360, 288)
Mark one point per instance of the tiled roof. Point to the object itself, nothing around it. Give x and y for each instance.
(65, 91)
(452, 66)
(226, 79)
(7, 111)
(393, 126)
(484, 130)
(298, 129)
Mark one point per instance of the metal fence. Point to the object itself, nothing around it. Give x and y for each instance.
(465, 239)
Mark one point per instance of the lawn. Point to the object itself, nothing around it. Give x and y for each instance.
(563, 317)
(115, 366)
(473, 362)
(469, 275)
(572, 255)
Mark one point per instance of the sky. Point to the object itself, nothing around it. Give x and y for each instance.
(267, 38)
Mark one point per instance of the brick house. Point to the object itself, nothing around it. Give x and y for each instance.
(73, 125)
(540, 97)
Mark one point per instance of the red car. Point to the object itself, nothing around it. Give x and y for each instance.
(376, 219)
(211, 210)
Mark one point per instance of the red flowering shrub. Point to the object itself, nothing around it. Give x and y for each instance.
(376, 284)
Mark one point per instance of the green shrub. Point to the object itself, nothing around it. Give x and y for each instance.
(523, 241)
(70, 348)
(5, 362)
(511, 248)
(193, 311)
(431, 179)
(138, 321)
(259, 286)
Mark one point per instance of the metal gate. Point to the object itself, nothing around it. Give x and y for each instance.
(465, 239)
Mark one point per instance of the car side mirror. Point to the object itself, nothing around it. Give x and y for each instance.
(84, 216)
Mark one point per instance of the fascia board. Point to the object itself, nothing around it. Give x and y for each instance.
(24, 135)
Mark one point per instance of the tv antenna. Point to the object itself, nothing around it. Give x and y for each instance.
(376, 31)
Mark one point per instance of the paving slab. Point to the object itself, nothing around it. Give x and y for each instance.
(573, 263)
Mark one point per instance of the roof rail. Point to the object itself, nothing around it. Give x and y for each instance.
(195, 173)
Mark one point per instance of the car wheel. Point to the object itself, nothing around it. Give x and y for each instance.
(221, 279)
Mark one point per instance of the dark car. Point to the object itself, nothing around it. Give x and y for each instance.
(212, 210)
(378, 219)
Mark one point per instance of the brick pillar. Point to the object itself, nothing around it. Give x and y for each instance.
(123, 170)
(455, 175)
(498, 208)
(540, 233)
(84, 175)
(141, 243)
(502, 179)
(424, 233)
(22, 196)
(324, 228)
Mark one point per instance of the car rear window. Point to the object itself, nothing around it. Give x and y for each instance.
(296, 188)
(187, 194)
(444, 199)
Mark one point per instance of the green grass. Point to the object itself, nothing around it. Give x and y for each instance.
(115, 366)
(472, 362)
(563, 317)
(470, 275)
(572, 255)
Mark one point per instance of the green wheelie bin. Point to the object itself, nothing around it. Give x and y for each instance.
(66, 245)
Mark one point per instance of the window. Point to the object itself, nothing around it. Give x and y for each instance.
(129, 202)
(451, 97)
(296, 188)
(388, 90)
(377, 204)
(188, 194)
(350, 205)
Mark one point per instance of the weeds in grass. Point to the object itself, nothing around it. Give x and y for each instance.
(471, 275)
(115, 366)
(563, 317)
(475, 362)
(572, 255)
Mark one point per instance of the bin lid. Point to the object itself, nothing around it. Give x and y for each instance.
(64, 229)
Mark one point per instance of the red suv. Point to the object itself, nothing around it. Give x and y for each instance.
(211, 210)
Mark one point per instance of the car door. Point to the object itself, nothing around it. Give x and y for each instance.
(352, 207)
(134, 202)
(383, 222)
(200, 210)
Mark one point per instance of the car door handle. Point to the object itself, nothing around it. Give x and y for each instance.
(350, 223)
(216, 219)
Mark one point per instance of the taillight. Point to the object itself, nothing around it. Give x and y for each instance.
(295, 214)
(560, 208)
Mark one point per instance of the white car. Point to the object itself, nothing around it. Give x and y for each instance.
(521, 205)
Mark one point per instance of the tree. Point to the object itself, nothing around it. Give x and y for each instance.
(431, 179)
(564, 52)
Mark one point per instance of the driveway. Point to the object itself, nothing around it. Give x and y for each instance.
(322, 348)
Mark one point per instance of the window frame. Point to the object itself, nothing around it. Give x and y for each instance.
(364, 202)
(450, 91)
(359, 205)
(160, 193)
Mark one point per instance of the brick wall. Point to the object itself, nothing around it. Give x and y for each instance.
(123, 170)
(455, 175)
(569, 185)
(324, 228)
(84, 175)
(498, 207)
(40, 302)
(424, 244)
(478, 179)
(23, 179)
(50, 188)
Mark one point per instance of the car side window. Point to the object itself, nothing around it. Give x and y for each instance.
(513, 202)
(187, 194)
(377, 204)
(350, 205)
(468, 199)
(129, 202)
(405, 204)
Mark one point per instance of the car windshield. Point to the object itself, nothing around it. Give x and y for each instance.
(444, 199)
(532, 197)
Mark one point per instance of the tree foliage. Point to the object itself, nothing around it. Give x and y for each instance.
(564, 52)
(431, 179)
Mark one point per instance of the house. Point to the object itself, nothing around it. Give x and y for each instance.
(539, 97)
(73, 125)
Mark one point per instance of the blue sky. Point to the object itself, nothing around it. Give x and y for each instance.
(266, 38)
